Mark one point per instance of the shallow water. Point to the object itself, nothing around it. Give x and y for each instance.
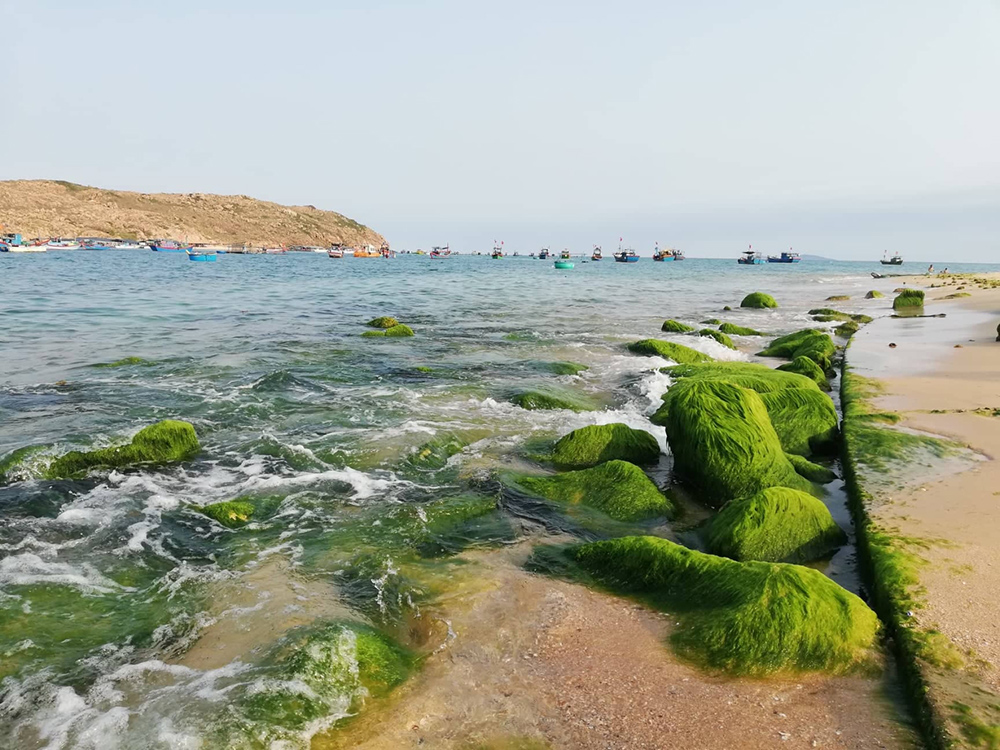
(129, 619)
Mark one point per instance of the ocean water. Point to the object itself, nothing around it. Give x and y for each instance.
(130, 619)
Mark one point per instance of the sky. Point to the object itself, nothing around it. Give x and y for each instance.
(840, 129)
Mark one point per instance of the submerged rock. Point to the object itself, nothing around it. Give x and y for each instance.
(908, 299)
(398, 330)
(166, 442)
(749, 618)
(776, 525)
(758, 300)
(732, 329)
(718, 336)
(672, 326)
(668, 350)
(809, 342)
(434, 454)
(383, 322)
(847, 329)
(234, 514)
(806, 367)
(828, 315)
(126, 362)
(838, 298)
(589, 446)
(619, 489)
(534, 400)
(565, 368)
(874, 294)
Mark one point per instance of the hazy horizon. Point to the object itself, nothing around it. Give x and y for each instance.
(839, 131)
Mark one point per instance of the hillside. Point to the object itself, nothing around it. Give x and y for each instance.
(45, 208)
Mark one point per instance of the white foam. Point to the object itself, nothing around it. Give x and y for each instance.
(28, 569)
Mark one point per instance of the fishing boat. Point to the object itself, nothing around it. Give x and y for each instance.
(660, 256)
(788, 257)
(596, 255)
(335, 252)
(626, 256)
(674, 255)
(368, 251)
(61, 244)
(205, 256)
(439, 253)
(564, 260)
(543, 254)
(750, 258)
(895, 260)
(497, 253)
(385, 251)
(168, 246)
(5, 247)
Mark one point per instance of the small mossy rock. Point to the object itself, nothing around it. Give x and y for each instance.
(383, 322)
(167, 442)
(373, 334)
(806, 367)
(540, 400)
(827, 315)
(589, 446)
(838, 298)
(672, 326)
(758, 301)
(618, 489)
(809, 342)
(908, 299)
(400, 330)
(813, 472)
(874, 294)
(723, 441)
(718, 336)
(731, 329)
(434, 454)
(847, 329)
(126, 362)
(668, 350)
(565, 368)
(710, 322)
(727, 308)
(776, 525)
(805, 420)
(748, 618)
(239, 512)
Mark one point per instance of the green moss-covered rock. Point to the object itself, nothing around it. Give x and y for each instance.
(14, 465)
(383, 322)
(618, 489)
(809, 342)
(908, 299)
(668, 350)
(809, 470)
(566, 368)
(397, 331)
(759, 301)
(731, 329)
(776, 525)
(672, 326)
(750, 618)
(804, 419)
(126, 362)
(535, 400)
(838, 298)
(874, 294)
(718, 336)
(847, 329)
(723, 441)
(806, 367)
(710, 322)
(589, 446)
(239, 512)
(434, 454)
(826, 315)
(166, 442)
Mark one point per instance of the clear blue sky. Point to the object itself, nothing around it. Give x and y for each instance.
(837, 128)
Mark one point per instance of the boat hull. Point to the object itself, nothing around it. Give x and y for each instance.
(565, 264)
(891, 263)
(202, 257)
(162, 249)
(631, 259)
(781, 260)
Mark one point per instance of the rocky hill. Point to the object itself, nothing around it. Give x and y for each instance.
(46, 208)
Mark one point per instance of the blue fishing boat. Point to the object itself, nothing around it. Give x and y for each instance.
(788, 257)
(626, 256)
(201, 255)
(750, 258)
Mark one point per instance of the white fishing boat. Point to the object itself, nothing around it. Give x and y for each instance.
(60, 244)
(25, 248)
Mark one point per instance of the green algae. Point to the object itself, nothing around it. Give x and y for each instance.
(434, 454)
(236, 513)
(125, 362)
(731, 329)
(565, 368)
(551, 399)
(718, 336)
(847, 329)
(908, 299)
(758, 300)
(807, 368)
(813, 472)
(757, 377)
(383, 322)
(723, 441)
(809, 342)
(668, 350)
(776, 525)
(672, 326)
(166, 442)
(619, 489)
(595, 444)
(741, 618)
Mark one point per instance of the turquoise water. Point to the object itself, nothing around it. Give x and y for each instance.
(129, 619)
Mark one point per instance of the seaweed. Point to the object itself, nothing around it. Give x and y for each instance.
(809, 342)
(807, 469)
(595, 444)
(807, 368)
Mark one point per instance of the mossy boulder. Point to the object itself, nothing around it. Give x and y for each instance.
(234, 514)
(565, 368)
(731, 329)
(718, 336)
(543, 399)
(758, 301)
(383, 322)
(847, 329)
(907, 299)
(809, 342)
(723, 441)
(618, 489)
(668, 350)
(807, 469)
(167, 442)
(672, 326)
(400, 330)
(776, 525)
(874, 294)
(806, 367)
(745, 618)
(589, 446)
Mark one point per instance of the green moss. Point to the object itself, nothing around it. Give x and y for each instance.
(589, 446)
(976, 732)
(566, 368)
(807, 368)
(908, 298)
(847, 329)
(732, 329)
(619, 489)
(748, 618)
(809, 342)
(758, 300)
(549, 399)
(874, 294)
(239, 512)
(383, 322)
(718, 336)
(723, 441)
(434, 454)
(166, 442)
(672, 326)
(396, 331)
(668, 350)
(809, 470)
(126, 362)
(776, 525)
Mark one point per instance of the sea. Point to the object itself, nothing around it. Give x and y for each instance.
(129, 618)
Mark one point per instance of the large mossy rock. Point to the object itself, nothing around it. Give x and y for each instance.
(776, 525)
(758, 301)
(749, 618)
(807, 368)
(809, 342)
(668, 350)
(167, 442)
(723, 441)
(589, 446)
(618, 489)
(908, 299)
(718, 336)
(672, 326)
(550, 399)
(731, 329)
